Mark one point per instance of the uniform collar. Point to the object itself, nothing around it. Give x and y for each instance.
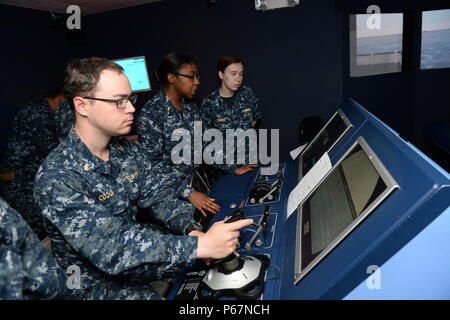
(168, 105)
(86, 161)
(236, 94)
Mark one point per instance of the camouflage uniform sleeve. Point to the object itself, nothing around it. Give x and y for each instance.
(206, 113)
(44, 138)
(170, 175)
(27, 270)
(150, 137)
(19, 143)
(175, 213)
(160, 196)
(103, 235)
(186, 192)
(254, 102)
(150, 133)
(64, 119)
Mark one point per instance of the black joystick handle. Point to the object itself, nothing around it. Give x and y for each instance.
(234, 216)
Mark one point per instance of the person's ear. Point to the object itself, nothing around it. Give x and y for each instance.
(81, 106)
(171, 77)
(221, 75)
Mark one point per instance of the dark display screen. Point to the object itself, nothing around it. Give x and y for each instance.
(323, 142)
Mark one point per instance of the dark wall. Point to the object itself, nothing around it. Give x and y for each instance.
(296, 59)
(293, 56)
(431, 105)
(34, 52)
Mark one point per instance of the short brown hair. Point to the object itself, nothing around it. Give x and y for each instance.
(225, 61)
(82, 75)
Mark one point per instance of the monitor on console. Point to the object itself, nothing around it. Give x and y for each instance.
(352, 189)
(327, 137)
(136, 70)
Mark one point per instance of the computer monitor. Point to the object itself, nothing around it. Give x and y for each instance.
(352, 189)
(327, 137)
(135, 69)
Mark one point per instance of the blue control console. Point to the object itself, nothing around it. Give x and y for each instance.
(361, 233)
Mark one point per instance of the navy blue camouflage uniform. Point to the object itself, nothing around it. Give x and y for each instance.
(243, 111)
(237, 112)
(157, 120)
(27, 270)
(32, 137)
(64, 119)
(90, 209)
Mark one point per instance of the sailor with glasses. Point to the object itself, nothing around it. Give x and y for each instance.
(170, 111)
(90, 187)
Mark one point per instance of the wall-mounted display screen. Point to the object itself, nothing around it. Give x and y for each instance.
(376, 43)
(355, 186)
(435, 39)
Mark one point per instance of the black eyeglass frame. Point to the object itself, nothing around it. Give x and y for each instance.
(132, 98)
(196, 77)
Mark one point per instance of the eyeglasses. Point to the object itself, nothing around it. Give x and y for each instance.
(196, 77)
(120, 103)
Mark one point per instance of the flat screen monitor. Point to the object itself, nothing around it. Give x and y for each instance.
(352, 189)
(327, 137)
(136, 70)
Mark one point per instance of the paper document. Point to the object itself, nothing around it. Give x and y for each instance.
(308, 182)
(294, 153)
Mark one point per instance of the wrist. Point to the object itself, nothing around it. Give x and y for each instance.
(202, 252)
(187, 192)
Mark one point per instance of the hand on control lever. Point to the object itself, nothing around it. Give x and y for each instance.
(220, 240)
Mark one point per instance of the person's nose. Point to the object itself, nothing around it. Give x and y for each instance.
(130, 107)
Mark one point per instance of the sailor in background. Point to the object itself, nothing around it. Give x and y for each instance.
(171, 110)
(89, 187)
(232, 106)
(27, 270)
(64, 119)
(33, 136)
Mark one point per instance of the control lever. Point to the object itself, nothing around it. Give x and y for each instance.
(274, 186)
(234, 216)
(260, 227)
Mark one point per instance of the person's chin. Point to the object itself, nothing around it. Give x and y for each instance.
(124, 131)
